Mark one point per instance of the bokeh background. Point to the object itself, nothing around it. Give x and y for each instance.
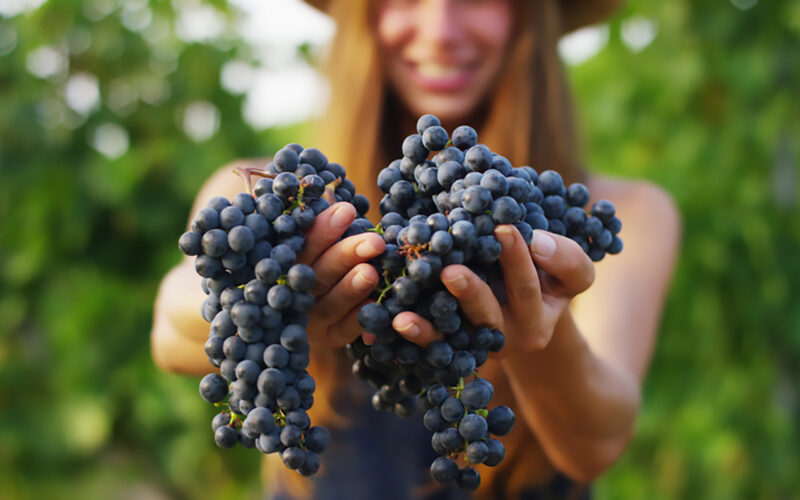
(113, 112)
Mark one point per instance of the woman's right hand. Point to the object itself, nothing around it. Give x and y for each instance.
(345, 279)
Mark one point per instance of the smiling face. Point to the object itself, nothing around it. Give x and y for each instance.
(443, 56)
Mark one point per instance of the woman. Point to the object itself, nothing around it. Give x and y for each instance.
(573, 365)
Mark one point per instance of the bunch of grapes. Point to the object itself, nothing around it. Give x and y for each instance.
(443, 211)
(258, 303)
(436, 212)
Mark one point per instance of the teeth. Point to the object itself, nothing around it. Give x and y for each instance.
(433, 70)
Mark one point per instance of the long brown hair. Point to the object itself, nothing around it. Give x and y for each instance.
(527, 118)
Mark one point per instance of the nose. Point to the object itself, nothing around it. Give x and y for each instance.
(438, 22)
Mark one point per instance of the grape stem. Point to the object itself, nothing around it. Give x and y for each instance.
(459, 387)
(330, 190)
(247, 172)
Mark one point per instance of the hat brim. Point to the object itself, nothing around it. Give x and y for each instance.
(575, 13)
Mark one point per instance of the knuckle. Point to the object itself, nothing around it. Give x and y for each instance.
(524, 291)
(536, 343)
(322, 284)
(589, 275)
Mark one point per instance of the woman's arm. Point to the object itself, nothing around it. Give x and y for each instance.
(576, 377)
(344, 280)
(581, 393)
(179, 331)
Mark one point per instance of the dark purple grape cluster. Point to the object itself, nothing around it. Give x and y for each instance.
(258, 303)
(440, 211)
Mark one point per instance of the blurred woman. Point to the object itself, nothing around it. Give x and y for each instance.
(579, 336)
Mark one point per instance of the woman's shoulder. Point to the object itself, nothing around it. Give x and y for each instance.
(636, 192)
(651, 232)
(643, 204)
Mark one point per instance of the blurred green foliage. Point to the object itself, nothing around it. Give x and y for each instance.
(710, 110)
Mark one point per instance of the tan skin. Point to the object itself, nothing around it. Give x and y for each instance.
(579, 336)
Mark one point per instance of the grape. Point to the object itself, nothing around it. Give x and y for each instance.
(234, 348)
(285, 185)
(293, 457)
(214, 243)
(270, 443)
(426, 121)
(464, 137)
(230, 217)
(463, 363)
(402, 193)
(506, 210)
(206, 219)
(477, 452)
(452, 409)
(554, 206)
(477, 393)
(473, 427)
(373, 318)
(315, 158)
(478, 158)
(476, 200)
(286, 160)
(310, 464)
(550, 182)
(439, 354)
(444, 470)
(604, 211)
(279, 297)
(615, 247)
(463, 233)
(497, 452)
(441, 242)
(500, 420)
(451, 439)
(190, 242)
(434, 138)
(294, 338)
(468, 479)
(213, 388)
(577, 195)
(413, 149)
(269, 206)
(494, 181)
(226, 437)
(318, 439)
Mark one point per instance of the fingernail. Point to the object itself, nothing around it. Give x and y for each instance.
(341, 216)
(366, 250)
(504, 236)
(361, 283)
(543, 245)
(410, 330)
(457, 283)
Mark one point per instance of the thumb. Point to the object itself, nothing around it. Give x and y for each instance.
(569, 271)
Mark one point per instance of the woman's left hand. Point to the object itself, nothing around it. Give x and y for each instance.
(535, 300)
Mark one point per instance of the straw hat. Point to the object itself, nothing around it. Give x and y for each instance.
(576, 13)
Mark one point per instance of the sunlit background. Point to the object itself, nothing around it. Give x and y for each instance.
(113, 113)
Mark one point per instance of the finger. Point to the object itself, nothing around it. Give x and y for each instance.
(415, 328)
(343, 256)
(523, 291)
(349, 292)
(476, 299)
(569, 270)
(328, 227)
(346, 329)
